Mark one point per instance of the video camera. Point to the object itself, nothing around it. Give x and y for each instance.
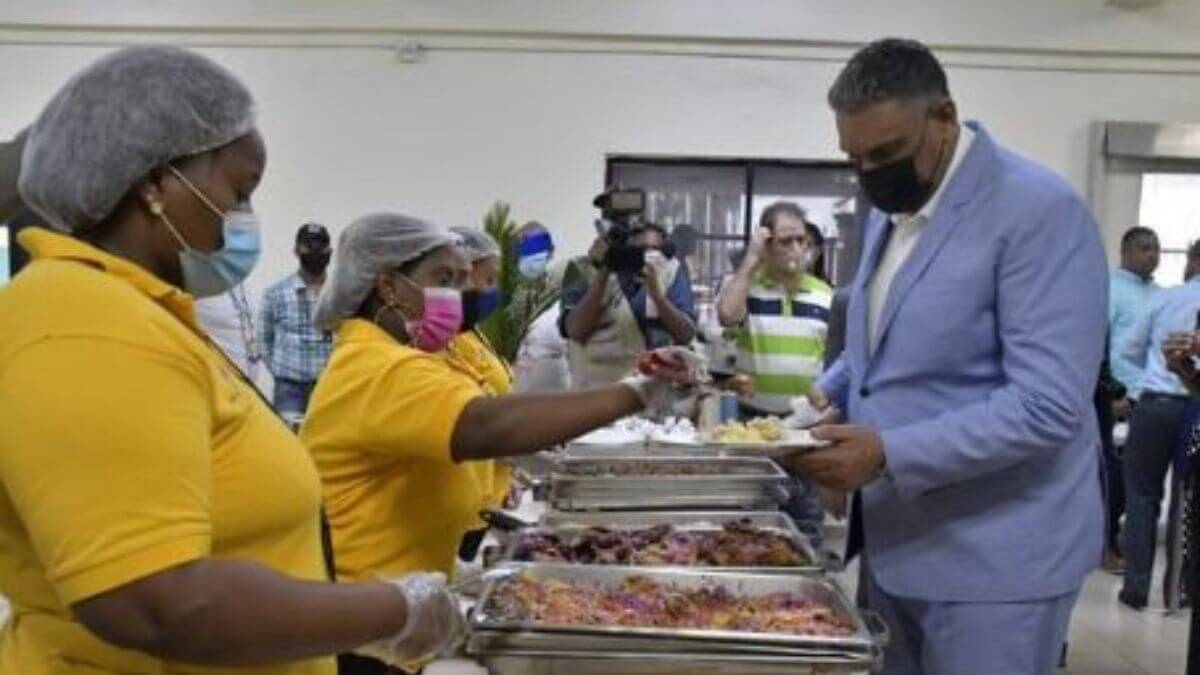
(620, 214)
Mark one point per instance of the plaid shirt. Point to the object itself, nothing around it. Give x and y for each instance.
(292, 348)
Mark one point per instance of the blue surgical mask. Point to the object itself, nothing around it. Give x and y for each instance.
(209, 274)
(534, 266)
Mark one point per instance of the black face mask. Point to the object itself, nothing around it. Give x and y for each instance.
(314, 263)
(896, 187)
(477, 306)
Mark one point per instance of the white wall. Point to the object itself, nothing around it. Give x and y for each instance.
(520, 100)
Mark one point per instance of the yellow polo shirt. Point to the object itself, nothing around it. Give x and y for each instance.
(474, 356)
(379, 426)
(128, 445)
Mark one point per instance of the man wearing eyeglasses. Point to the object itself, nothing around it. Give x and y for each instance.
(779, 310)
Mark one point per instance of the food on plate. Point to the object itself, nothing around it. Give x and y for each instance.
(761, 430)
(643, 603)
(735, 544)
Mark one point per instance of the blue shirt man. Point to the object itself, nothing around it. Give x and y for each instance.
(1156, 426)
(1131, 288)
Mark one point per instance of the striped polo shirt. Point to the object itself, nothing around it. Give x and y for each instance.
(781, 344)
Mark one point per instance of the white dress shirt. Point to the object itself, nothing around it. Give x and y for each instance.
(906, 231)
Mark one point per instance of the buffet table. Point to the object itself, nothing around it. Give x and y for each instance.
(636, 558)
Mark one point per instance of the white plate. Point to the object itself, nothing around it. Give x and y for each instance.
(682, 440)
(609, 436)
(796, 440)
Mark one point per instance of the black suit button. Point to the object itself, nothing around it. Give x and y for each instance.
(864, 392)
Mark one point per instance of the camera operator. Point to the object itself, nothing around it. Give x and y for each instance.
(629, 293)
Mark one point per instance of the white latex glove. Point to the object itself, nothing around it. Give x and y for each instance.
(661, 398)
(696, 363)
(434, 623)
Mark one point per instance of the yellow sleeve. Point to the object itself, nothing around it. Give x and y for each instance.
(106, 457)
(411, 407)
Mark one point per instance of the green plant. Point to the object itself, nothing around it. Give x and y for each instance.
(522, 299)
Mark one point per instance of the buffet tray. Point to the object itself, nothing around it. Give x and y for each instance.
(673, 468)
(487, 626)
(632, 663)
(650, 450)
(743, 483)
(693, 521)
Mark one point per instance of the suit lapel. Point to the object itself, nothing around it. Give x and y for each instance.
(878, 233)
(965, 185)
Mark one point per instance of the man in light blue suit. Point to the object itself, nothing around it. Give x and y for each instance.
(975, 332)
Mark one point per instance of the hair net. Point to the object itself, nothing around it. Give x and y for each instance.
(477, 244)
(368, 246)
(118, 119)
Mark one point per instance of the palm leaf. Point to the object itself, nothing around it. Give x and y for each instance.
(523, 300)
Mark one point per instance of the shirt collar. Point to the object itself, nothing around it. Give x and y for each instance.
(1130, 276)
(766, 280)
(361, 330)
(966, 136)
(43, 244)
(296, 283)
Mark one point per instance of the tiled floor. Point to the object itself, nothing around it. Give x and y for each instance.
(1106, 639)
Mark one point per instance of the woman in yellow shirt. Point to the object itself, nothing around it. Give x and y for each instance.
(393, 426)
(155, 517)
(473, 354)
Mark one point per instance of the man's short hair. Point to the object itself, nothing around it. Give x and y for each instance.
(886, 70)
(1133, 233)
(1194, 250)
(770, 215)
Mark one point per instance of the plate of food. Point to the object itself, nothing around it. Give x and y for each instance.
(762, 437)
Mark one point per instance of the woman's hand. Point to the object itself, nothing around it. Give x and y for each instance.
(433, 624)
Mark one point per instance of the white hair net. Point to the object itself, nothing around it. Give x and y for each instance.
(477, 244)
(368, 246)
(118, 119)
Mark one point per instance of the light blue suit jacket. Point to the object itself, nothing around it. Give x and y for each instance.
(981, 388)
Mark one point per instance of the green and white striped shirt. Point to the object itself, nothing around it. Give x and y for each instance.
(781, 344)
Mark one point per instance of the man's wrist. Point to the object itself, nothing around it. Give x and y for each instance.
(881, 464)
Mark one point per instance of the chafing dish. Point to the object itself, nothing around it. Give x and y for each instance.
(700, 483)
(512, 646)
(566, 524)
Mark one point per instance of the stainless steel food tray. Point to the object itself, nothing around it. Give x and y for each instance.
(502, 642)
(693, 521)
(745, 483)
(673, 467)
(528, 635)
(650, 450)
(615, 663)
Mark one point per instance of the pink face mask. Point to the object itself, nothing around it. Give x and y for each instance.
(440, 322)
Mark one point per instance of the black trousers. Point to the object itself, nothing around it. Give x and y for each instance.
(1153, 439)
(1114, 475)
